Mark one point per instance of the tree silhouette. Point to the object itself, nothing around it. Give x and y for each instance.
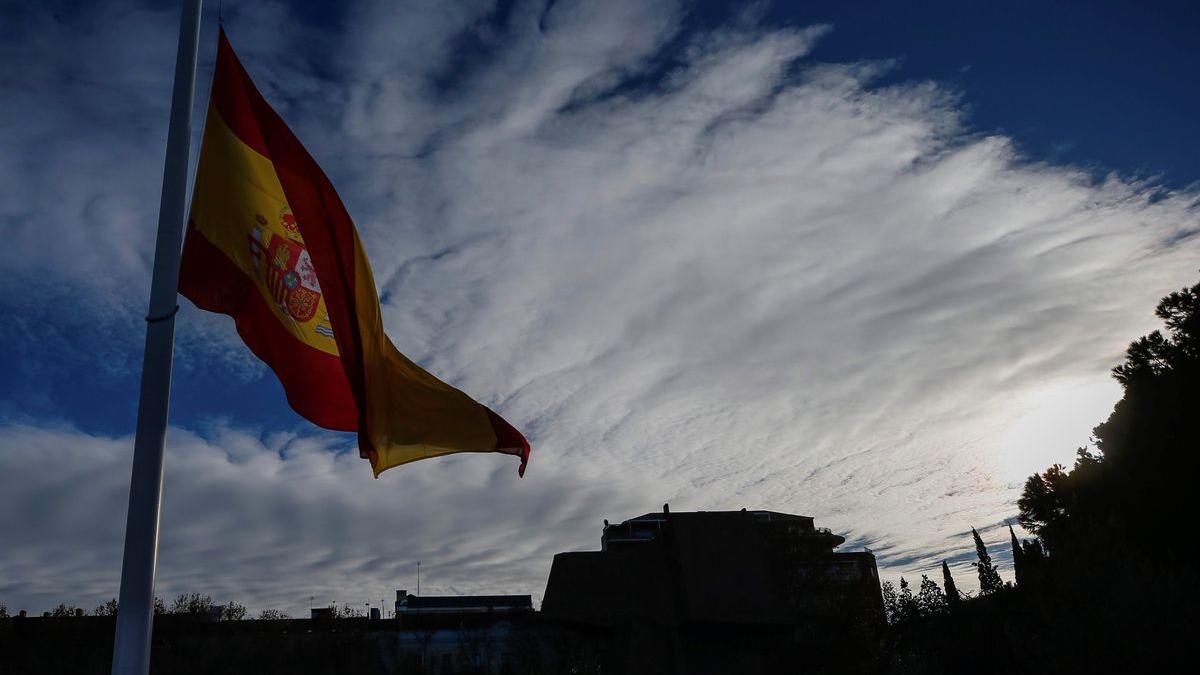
(1141, 478)
(273, 615)
(1109, 571)
(930, 598)
(953, 599)
(234, 611)
(191, 603)
(1057, 502)
(891, 602)
(989, 577)
(907, 606)
(1019, 567)
(106, 608)
(346, 611)
(1032, 553)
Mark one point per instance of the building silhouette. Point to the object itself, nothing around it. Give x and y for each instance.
(408, 605)
(743, 591)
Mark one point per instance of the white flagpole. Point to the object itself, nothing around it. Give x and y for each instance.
(135, 611)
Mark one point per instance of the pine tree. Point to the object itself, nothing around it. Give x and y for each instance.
(1019, 566)
(989, 578)
(953, 599)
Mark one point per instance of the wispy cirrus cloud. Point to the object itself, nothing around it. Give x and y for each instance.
(696, 267)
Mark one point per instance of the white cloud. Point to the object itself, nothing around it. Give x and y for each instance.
(740, 286)
(272, 519)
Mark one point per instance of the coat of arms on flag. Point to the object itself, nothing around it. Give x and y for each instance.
(284, 266)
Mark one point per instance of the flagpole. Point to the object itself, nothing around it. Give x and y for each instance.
(135, 610)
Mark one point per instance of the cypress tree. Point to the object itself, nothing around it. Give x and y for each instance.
(908, 606)
(989, 578)
(953, 599)
(1019, 566)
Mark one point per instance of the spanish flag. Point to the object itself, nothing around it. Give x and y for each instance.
(269, 243)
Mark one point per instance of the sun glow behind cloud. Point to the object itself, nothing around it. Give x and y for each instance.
(1051, 422)
(756, 281)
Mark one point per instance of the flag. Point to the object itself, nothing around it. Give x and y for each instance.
(269, 243)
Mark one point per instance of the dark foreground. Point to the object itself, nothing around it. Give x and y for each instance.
(1010, 632)
(528, 644)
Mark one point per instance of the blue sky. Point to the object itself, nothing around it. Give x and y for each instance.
(863, 263)
(1095, 84)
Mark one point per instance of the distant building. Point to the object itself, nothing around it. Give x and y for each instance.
(407, 604)
(717, 588)
(459, 633)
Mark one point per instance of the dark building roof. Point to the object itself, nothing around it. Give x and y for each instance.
(649, 526)
(464, 603)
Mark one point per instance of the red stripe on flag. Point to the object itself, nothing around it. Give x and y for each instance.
(314, 381)
(232, 95)
(321, 218)
(509, 440)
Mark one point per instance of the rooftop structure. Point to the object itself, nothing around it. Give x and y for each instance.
(407, 604)
(650, 526)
